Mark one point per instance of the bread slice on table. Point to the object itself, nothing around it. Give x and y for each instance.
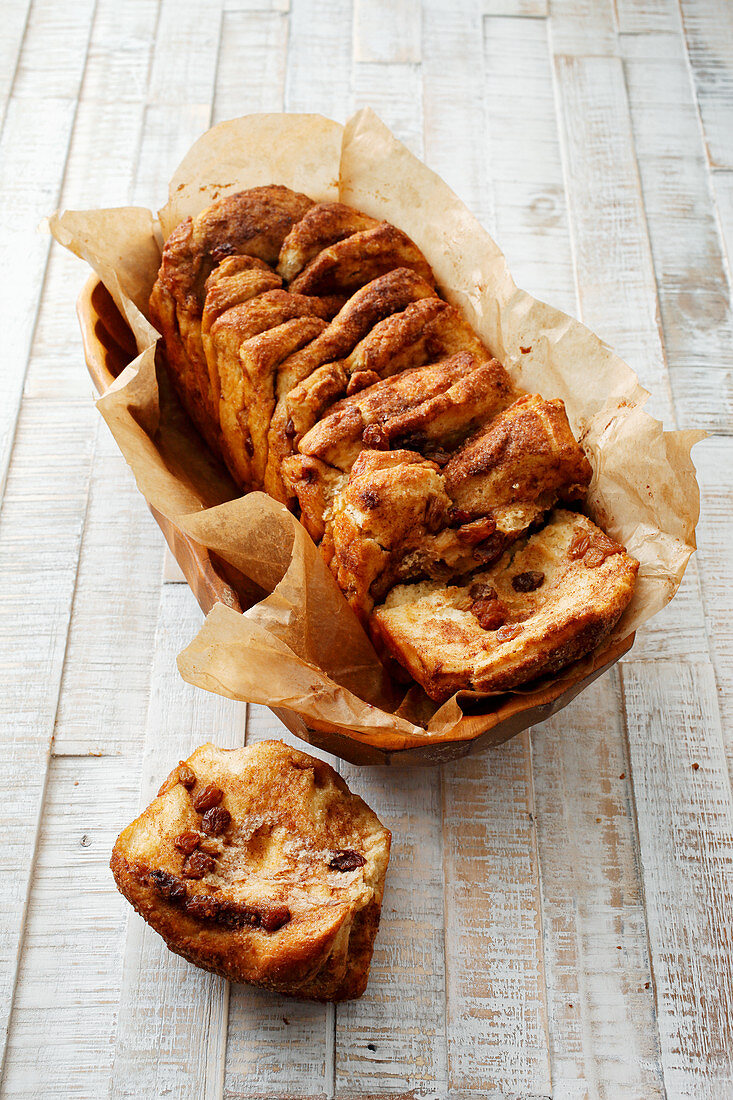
(550, 599)
(260, 865)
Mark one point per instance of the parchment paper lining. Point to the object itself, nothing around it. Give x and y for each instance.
(302, 648)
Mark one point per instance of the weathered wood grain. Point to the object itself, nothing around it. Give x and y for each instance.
(525, 162)
(689, 262)
(496, 1013)
(388, 31)
(66, 1005)
(250, 74)
(602, 1023)
(685, 822)
(583, 27)
(454, 108)
(319, 72)
(171, 1034)
(714, 460)
(708, 27)
(37, 574)
(15, 20)
(107, 669)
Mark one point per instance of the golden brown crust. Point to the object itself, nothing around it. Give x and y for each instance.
(429, 405)
(323, 225)
(381, 297)
(524, 454)
(252, 223)
(541, 607)
(351, 263)
(286, 895)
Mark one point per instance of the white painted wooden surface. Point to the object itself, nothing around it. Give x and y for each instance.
(558, 919)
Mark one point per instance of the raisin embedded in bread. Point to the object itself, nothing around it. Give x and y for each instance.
(260, 865)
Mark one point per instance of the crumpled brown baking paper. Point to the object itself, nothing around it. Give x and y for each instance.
(301, 648)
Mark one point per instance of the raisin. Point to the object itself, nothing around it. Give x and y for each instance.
(197, 865)
(187, 842)
(434, 515)
(480, 591)
(222, 251)
(488, 609)
(579, 545)
(186, 776)
(290, 429)
(249, 445)
(216, 821)
(376, 438)
(458, 516)
(168, 885)
(529, 581)
(594, 557)
(506, 633)
(231, 914)
(210, 796)
(475, 532)
(274, 917)
(346, 860)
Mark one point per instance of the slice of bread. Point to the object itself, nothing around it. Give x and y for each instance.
(260, 865)
(550, 599)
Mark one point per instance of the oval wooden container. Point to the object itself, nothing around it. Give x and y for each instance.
(108, 348)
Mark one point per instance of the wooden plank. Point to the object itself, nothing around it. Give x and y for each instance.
(685, 821)
(583, 28)
(714, 461)
(53, 56)
(453, 114)
(37, 572)
(614, 269)
(120, 49)
(171, 1034)
(186, 48)
(708, 27)
(523, 151)
(15, 20)
(30, 182)
(320, 35)
(387, 31)
(689, 262)
(250, 74)
(603, 1033)
(496, 1012)
(69, 971)
(277, 1047)
(106, 685)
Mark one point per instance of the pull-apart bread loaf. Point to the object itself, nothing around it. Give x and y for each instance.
(260, 865)
(312, 349)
